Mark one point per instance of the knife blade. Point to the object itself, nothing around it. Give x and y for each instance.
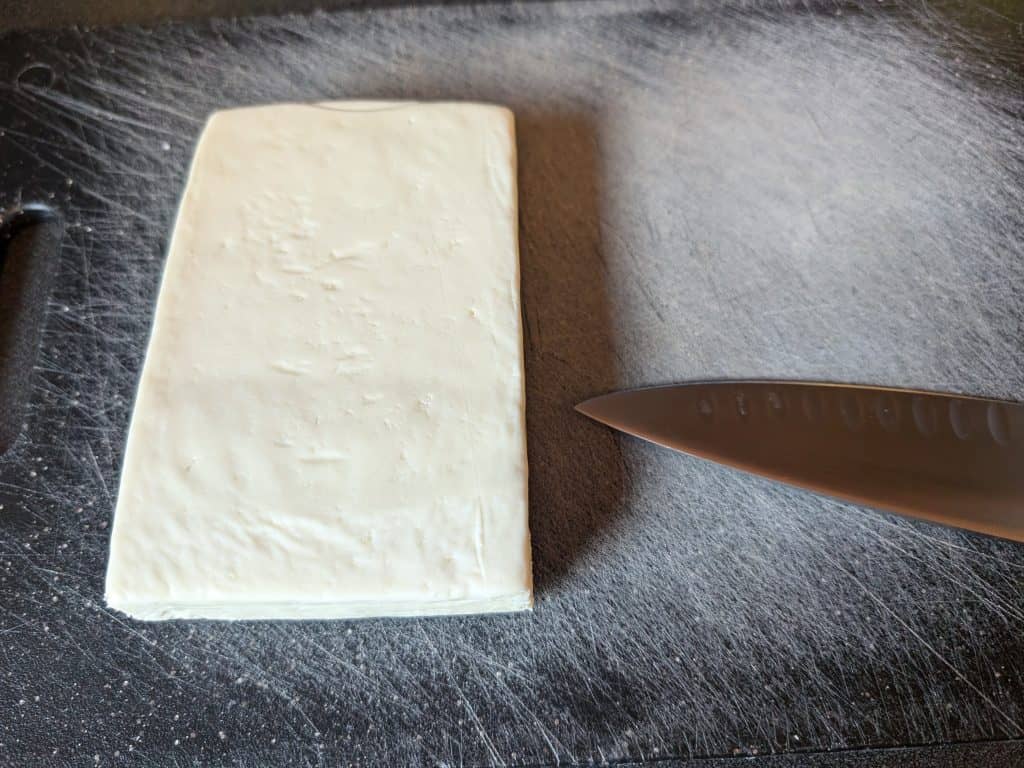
(950, 459)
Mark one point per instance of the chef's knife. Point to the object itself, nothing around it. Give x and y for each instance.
(946, 458)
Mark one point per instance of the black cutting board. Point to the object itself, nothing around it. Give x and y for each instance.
(807, 190)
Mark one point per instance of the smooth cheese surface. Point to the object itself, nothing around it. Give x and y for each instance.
(330, 421)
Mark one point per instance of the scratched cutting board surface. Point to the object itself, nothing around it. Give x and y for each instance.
(806, 190)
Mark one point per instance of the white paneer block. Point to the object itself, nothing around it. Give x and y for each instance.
(330, 421)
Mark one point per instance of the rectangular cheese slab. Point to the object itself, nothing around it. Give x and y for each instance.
(330, 421)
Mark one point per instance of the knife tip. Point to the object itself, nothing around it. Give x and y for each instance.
(586, 407)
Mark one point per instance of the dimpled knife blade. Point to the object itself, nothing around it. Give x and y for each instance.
(949, 459)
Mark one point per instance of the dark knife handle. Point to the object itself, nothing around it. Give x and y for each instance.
(30, 238)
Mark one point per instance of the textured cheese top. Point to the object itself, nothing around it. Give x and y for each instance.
(330, 421)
